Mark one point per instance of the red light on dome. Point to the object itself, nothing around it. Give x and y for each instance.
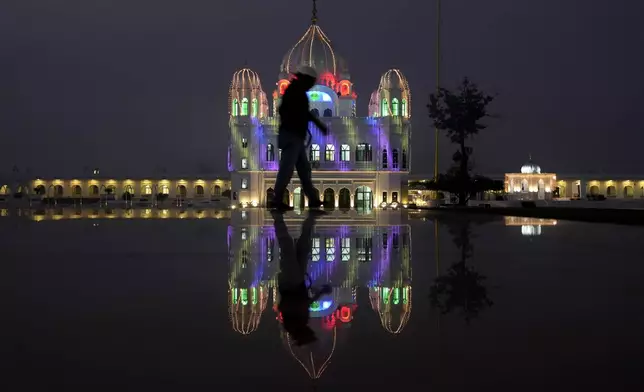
(345, 88)
(327, 79)
(283, 84)
(345, 314)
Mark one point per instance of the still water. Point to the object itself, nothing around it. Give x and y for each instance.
(452, 303)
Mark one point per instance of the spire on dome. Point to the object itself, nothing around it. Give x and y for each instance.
(314, 17)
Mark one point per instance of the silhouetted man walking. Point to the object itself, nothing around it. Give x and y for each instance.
(293, 131)
(295, 296)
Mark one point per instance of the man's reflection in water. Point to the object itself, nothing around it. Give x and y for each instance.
(296, 295)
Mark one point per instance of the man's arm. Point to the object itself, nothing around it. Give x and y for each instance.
(318, 123)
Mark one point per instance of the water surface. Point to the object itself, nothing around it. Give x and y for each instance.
(187, 304)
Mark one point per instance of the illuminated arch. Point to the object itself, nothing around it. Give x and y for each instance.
(283, 84)
(345, 88)
(384, 108)
(254, 108)
(235, 110)
(394, 107)
(404, 108)
(244, 107)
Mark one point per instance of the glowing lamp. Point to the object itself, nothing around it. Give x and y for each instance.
(383, 205)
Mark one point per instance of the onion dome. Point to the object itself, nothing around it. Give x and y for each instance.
(245, 307)
(393, 305)
(245, 96)
(394, 95)
(314, 49)
(530, 168)
(314, 358)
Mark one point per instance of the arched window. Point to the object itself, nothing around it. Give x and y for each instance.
(329, 153)
(384, 111)
(254, 107)
(344, 89)
(235, 107)
(315, 112)
(384, 158)
(394, 159)
(328, 113)
(345, 153)
(404, 159)
(394, 107)
(315, 153)
(270, 152)
(244, 108)
(404, 108)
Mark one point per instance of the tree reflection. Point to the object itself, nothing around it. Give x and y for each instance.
(461, 289)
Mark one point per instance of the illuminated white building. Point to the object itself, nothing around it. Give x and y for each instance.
(361, 163)
(531, 183)
(358, 255)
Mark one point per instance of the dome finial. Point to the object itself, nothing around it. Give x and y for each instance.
(314, 17)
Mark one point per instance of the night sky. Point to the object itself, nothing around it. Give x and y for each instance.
(135, 85)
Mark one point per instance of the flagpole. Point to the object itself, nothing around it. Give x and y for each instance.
(438, 79)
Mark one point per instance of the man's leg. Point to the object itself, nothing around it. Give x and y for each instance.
(303, 167)
(290, 155)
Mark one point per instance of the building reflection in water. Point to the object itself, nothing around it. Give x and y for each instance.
(529, 226)
(369, 255)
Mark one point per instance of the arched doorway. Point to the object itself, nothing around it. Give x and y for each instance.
(298, 198)
(129, 193)
(77, 191)
(93, 190)
(524, 185)
(594, 190)
(4, 190)
(199, 191)
(216, 191)
(183, 192)
(611, 191)
(58, 190)
(562, 190)
(329, 198)
(364, 198)
(270, 195)
(541, 190)
(629, 191)
(344, 198)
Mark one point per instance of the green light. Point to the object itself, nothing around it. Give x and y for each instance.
(314, 96)
(385, 295)
(244, 296)
(394, 106)
(254, 290)
(244, 108)
(315, 306)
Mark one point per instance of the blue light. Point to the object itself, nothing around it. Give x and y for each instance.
(320, 306)
(319, 96)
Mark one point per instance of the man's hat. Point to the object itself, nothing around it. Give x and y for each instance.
(308, 71)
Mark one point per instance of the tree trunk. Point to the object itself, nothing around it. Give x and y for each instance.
(463, 175)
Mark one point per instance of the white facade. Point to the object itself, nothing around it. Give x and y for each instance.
(361, 163)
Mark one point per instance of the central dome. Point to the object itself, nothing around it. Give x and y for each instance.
(313, 49)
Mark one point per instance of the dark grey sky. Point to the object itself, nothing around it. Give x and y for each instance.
(130, 85)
